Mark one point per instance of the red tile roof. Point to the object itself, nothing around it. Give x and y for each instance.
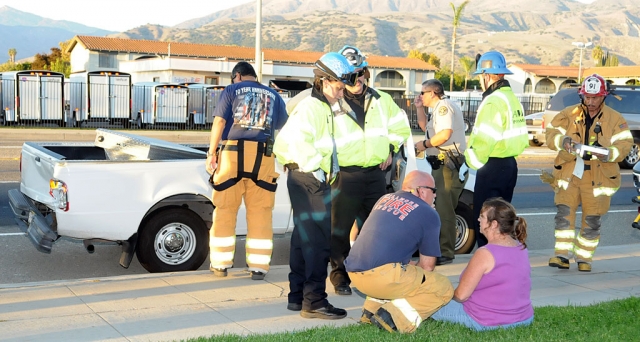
(549, 70)
(231, 52)
(572, 71)
(614, 72)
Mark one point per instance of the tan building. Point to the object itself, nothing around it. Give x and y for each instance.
(175, 62)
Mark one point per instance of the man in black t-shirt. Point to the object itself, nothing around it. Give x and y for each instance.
(380, 265)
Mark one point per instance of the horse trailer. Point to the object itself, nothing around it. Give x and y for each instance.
(32, 96)
(203, 99)
(159, 103)
(103, 96)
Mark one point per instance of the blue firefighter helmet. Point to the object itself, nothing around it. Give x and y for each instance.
(337, 67)
(492, 62)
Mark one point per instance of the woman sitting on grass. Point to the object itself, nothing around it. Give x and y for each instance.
(495, 287)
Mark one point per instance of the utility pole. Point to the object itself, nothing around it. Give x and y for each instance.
(259, 39)
(581, 46)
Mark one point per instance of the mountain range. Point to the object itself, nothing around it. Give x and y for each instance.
(539, 32)
(30, 34)
(526, 32)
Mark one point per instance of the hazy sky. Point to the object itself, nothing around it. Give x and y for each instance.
(122, 15)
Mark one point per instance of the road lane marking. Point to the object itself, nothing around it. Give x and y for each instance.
(580, 212)
(9, 182)
(12, 234)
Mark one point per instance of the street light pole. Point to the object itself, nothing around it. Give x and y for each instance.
(259, 39)
(581, 46)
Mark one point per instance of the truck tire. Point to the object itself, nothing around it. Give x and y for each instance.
(632, 158)
(466, 237)
(173, 240)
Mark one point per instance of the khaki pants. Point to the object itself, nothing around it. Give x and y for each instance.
(258, 202)
(409, 293)
(579, 192)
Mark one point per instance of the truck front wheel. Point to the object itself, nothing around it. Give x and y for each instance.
(173, 240)
(466, 237)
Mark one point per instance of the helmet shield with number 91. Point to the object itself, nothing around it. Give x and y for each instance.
(594, 85)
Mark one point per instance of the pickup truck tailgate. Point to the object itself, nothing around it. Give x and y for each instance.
(37, 169)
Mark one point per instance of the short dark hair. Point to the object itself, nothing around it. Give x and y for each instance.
(435, 86)
(244, 69)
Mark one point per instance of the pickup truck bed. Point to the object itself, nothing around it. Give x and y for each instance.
(150, 196)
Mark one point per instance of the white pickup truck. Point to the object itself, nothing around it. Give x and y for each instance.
(150, 196)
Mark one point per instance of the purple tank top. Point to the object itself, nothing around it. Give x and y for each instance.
(503, 296)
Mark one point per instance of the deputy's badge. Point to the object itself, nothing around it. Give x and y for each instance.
(443, 110)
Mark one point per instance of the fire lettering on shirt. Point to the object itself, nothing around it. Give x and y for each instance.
(396, 205)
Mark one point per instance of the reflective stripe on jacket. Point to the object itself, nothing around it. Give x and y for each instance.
(385, 124)
(500, 130)
(306, 137)
(614, 135)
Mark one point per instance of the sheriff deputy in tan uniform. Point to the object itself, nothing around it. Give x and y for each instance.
(444, 145)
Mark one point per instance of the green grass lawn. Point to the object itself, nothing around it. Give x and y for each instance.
(610, 321)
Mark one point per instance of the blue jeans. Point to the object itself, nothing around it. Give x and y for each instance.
(454, 313)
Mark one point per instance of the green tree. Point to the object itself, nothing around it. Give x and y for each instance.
(62, 66)
(430, 58)
(457, 13)
(467, 64)
(418, 55)
(597, 53)
(434, 60)
(12, 55)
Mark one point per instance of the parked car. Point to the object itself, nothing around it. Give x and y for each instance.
(624, 99)
(535, 128)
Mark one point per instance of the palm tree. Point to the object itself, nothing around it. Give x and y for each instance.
(457, 13)
(467, 64)
(12, 55)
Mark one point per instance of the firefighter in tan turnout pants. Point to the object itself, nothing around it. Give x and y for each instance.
(243, 166)
(584, 175)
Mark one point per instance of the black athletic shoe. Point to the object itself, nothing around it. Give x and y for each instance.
(443, 260)
(343, 289)
(257, 275)
(328, 312)
(294, 306)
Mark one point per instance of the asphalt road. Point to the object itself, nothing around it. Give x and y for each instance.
(20, 262)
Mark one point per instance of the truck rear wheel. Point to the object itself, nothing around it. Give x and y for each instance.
(466, 237)
(173, 240)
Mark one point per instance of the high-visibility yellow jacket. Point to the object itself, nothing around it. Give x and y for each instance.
(306, 137)
(500, 130)
(614, 135)
(386, 125)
